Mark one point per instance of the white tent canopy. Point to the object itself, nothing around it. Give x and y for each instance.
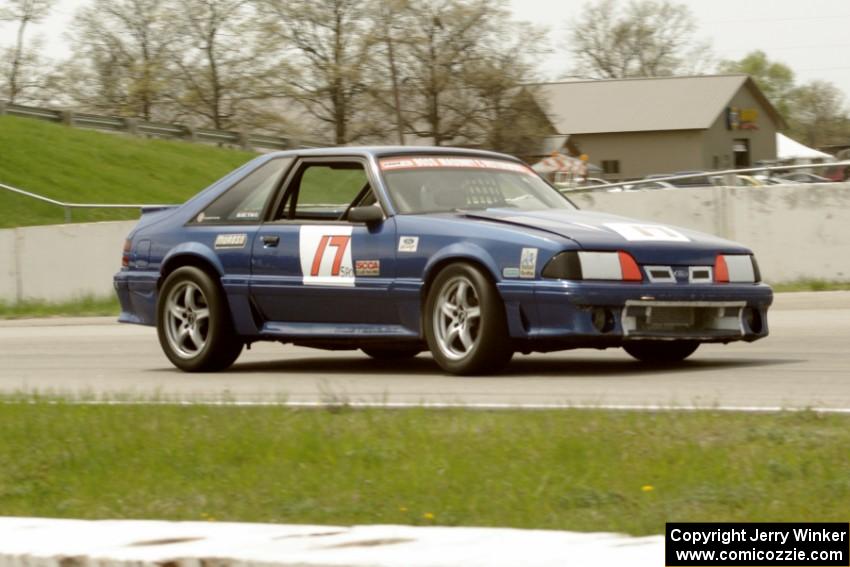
(788, 149)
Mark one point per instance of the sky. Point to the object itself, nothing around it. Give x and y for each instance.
(811, 36)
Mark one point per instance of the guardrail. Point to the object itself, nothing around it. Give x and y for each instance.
(68, 207)
(134, 126)
(638, 182)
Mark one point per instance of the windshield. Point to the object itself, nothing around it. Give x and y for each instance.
(443, 184)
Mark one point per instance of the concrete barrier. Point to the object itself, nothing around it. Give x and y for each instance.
(60, 262)
(36, 542)
(796, 231)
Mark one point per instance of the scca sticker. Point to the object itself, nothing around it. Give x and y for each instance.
(646, 232)
(325, 253)
(367, 268)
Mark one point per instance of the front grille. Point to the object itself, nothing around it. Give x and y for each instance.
(676, 319)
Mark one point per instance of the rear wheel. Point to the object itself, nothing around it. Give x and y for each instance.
(193, 323)
(465, 322)
(661, 352)
(391, 353)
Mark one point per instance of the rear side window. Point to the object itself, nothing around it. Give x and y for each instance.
(246, 200)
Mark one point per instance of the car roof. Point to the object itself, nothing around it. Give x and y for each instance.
(386, 151)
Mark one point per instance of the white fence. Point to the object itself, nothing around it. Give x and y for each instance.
(797, 232)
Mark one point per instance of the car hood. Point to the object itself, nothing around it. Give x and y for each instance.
(646, 241)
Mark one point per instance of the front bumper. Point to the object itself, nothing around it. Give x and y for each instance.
(608, 314)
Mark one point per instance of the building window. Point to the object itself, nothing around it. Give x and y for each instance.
(610, 166)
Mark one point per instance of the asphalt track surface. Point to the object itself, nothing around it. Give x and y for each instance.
(804, 363)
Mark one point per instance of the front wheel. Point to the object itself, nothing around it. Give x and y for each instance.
(193, 323)
(661, 352)
(465, 323)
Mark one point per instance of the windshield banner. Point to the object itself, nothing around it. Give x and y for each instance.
(392, 164)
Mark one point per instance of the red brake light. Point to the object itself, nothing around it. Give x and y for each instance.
(125, 256)
(630, 269)
(721, 270)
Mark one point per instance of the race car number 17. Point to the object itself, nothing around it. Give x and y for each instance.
(325, 253)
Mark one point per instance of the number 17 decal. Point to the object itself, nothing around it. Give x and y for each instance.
(325, 254)
(338, 242)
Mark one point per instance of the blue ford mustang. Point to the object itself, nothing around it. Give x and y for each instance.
(395, 250)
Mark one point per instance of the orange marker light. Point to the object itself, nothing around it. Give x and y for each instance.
(631, 272)
(721, 270)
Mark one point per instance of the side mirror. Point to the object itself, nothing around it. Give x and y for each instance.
(369, 214)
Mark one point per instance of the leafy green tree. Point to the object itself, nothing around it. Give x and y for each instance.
(775, 79)
(819, 115)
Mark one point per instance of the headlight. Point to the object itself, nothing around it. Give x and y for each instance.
(580, 265)
(736, 268)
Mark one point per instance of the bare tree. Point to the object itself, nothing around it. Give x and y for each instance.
(22, 13)
(445, 38)
(222, 68)
(509, 116)
(123, 55)
(328, 44)
(646, 38)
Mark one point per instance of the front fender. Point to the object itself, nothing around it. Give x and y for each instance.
(462, 251)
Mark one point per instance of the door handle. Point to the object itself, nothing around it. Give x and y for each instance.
(271, 241)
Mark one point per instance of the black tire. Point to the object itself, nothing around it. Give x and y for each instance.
(391, 353)
(661, 352)
(486, 347)
(220, 346)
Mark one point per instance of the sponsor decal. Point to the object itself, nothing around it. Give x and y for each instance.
(325, 254)
(242, 215)
(455, 162)
(647, 232)
(367, 268)
(528, 263)
(510, 272)
(231, 241)
(408, 243)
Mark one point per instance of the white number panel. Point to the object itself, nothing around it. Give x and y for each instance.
(325, 253)
(638, 232)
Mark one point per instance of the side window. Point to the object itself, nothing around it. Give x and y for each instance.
(325, 190)
(245, 201)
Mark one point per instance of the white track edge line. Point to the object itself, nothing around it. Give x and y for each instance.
(439, 405)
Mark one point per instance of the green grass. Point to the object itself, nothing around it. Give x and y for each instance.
(811, 285)
(580, 470)
(85, 306)
(81, 166)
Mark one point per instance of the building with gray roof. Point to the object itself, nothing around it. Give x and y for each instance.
(635, 127)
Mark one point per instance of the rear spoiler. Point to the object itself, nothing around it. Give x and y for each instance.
(154, 208)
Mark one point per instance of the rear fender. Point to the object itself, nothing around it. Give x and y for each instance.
(195, 250)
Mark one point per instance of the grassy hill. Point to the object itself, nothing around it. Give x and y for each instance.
(79, 166)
